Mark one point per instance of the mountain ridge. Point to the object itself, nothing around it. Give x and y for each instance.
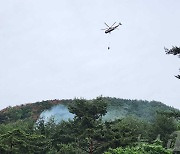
(117, 108)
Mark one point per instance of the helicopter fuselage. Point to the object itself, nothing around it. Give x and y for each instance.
(111, 29)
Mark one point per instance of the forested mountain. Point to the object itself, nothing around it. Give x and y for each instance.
(102, 125)
(116, 109)
(145, 110)
(26, 111)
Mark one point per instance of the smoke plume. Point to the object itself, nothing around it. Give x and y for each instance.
(59, 113)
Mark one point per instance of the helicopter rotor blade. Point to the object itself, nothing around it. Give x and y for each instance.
(104, 29)
(113, 24)
(106, 24)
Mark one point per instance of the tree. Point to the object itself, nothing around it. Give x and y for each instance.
(17, 141)
(126, 131)
(88, 123)
(174, 51)
(142, 149)
(83, 109)
(163, 126)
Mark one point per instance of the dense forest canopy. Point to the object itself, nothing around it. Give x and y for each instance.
(87, 132)
(116, 108)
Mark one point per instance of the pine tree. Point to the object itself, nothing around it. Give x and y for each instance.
(17, 141)
(88, 120)
(174, 51)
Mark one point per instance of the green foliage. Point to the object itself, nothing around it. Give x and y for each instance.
(120, 108)
(163, 126)
(17, 141)
(28, 111)
(116, 109)
(24, 125)
(88, 132)
(126, 131)
(88, 123)
(94, 109)
(14, 114)
(171, 114)
(69, 149)
(142, 149)
(174, 51)
(64, 133)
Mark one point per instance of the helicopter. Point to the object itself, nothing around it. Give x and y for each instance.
(111, 28)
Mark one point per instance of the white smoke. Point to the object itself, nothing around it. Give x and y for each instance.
(59, 113)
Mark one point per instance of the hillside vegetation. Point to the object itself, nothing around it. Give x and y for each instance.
(145, 110)
(27, 111)
(126, 130)
(116, 109)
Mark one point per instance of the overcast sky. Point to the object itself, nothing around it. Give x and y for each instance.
(56, 50)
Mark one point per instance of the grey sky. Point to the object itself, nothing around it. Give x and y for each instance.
(55, 49)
